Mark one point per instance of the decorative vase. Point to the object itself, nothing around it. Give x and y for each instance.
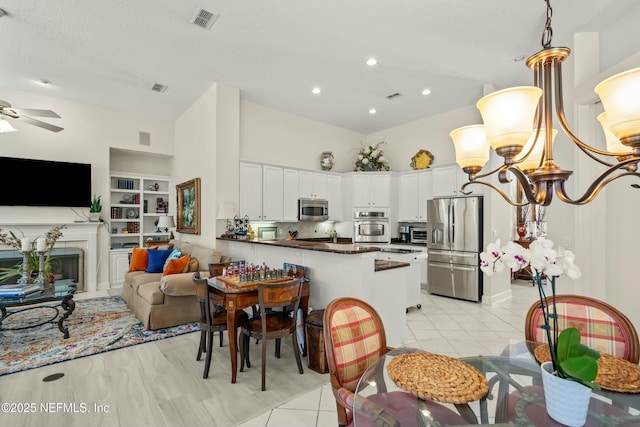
(326, 160)
(566, 401)
(94, 216)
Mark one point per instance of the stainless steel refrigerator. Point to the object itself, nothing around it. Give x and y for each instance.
(454, 243)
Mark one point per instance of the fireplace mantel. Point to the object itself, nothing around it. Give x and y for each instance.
(76, 234)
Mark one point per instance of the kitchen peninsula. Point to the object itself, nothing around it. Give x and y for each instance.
(336, 270)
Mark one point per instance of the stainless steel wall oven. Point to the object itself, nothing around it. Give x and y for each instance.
(371, 227)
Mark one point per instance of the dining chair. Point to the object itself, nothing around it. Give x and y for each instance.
(213, 319)
(354, 338)
(274, 321)
(602, 327)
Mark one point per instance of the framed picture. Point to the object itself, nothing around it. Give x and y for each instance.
(188, 194)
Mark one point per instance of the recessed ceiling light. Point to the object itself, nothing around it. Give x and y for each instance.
(43, 82)
(372, 61)
(316, 91)
(372, 111)
(426, 91)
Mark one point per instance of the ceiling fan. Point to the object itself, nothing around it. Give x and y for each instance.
(6, 110)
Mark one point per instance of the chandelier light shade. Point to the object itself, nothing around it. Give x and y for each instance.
(613, 143)
(510, 114)
(471, 146)
(534, 149)
(620, 96)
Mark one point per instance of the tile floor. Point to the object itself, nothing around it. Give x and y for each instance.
(443, 325)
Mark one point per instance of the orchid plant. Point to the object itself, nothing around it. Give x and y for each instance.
(571, 359)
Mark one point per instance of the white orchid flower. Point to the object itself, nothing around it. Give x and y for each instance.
(516, 256)
(540, 256)
(565, 259)
(488, 259)
(543, 257)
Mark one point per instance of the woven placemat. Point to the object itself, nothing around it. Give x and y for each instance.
(438, 377)
(614, 373)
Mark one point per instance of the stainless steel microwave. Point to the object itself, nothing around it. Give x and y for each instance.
(313, 210)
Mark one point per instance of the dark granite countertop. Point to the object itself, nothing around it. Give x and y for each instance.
(311, 244)
(384, 264)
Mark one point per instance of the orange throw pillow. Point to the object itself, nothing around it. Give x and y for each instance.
(139, 259)
(175, 266)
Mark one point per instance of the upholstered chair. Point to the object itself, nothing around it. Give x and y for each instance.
(354, 338)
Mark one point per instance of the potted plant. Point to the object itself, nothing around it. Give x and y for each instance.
(572, 363)
(95, 209)
(371, 158)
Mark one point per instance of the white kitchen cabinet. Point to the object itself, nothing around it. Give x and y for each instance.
(272, 193)
(448, 179)
(371, 190)
(118, 266)
(313, 185)
(251, 191)
(291, 191)
(408, 192)
(425, 192)
(334, 197)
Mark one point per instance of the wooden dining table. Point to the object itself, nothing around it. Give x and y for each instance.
(234, 298)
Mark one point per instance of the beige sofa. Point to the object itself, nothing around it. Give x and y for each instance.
(160, 302)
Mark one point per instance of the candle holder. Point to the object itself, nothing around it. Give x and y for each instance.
(40, 279)
(25, 268)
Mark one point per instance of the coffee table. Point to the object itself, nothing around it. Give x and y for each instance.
(61, 293)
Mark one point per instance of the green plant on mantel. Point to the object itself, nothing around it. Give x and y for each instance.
(96, 205)
(33, 259)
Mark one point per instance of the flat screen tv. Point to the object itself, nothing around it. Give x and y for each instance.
(51, 183)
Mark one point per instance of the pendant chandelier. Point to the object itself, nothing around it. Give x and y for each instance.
(518, 125)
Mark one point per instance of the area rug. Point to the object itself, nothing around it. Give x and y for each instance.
(95, 326)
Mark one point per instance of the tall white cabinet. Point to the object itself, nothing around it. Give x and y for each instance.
(448, 179)
(414, 189)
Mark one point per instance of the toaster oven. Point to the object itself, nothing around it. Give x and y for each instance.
(418, 235)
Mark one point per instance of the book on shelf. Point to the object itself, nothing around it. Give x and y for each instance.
(18, 290)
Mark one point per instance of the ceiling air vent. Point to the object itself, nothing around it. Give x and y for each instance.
(157, 87)
(393, 95)
(204, 19)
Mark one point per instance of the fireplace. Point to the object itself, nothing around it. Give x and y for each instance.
(66, 264)
(77, 248)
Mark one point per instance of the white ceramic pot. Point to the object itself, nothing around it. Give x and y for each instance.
(94, 216)
(567, 401)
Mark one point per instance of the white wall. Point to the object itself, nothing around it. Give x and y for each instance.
(273, 136)
(195, 141)
(430, 133)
